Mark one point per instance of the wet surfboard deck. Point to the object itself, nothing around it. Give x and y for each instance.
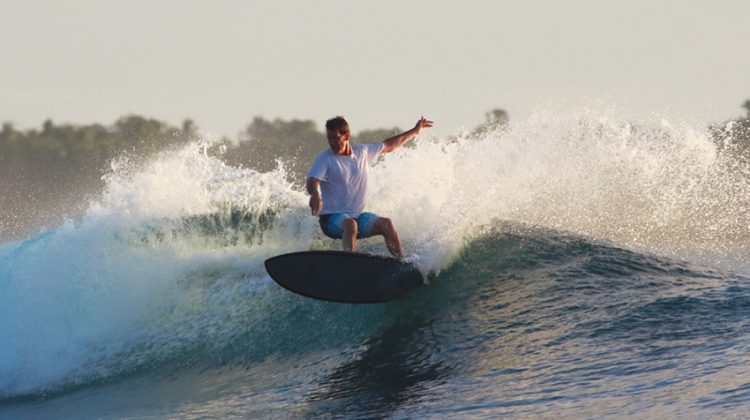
(347, 277)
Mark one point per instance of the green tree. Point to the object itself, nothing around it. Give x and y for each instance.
(733, 136)
(263, 143)
(54, 168)
(496, 119)
(376, 135)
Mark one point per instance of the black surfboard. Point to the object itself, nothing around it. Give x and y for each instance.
(341, 276)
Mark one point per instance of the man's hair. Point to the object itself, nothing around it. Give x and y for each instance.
(338, 124)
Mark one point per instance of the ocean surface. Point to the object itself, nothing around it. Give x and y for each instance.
(587, 267)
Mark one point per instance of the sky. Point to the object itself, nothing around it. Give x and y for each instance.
(380, 64)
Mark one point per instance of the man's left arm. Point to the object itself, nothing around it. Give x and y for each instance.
(396, 141)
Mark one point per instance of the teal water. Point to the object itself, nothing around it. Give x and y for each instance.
(524, 323)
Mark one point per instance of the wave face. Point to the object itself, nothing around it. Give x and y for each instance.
(584, 263)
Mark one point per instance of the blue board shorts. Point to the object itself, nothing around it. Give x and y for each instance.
(333, 224)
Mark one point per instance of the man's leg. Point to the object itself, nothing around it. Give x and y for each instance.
(384, 226)
(349, 237)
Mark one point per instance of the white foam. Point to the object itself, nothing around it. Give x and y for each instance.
(665, 188)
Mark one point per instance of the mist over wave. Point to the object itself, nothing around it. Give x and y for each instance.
(166, 267)
(667, 189)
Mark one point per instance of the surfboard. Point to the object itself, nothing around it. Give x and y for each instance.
(347, 277)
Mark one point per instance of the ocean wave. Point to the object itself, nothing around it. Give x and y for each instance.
(219, 312)
(547, 225)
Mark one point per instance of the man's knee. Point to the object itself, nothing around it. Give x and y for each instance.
(383, 226)
(350, 226)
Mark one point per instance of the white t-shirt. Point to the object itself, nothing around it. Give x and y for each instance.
(343, 179)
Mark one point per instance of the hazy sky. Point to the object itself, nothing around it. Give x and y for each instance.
(381, 63)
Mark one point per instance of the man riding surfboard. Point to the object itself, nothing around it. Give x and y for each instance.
(337, 184)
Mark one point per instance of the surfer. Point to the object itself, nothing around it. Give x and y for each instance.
(337, 184)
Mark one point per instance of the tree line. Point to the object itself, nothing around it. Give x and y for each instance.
(69, 154)
(59, 166)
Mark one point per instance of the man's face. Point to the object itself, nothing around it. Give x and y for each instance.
(338, 142)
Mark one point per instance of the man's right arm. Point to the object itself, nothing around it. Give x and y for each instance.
(396, 141)
(316, 202)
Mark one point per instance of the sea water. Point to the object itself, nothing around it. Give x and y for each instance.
(586, 267)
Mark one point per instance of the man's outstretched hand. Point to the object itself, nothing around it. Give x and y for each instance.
(422, 123)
